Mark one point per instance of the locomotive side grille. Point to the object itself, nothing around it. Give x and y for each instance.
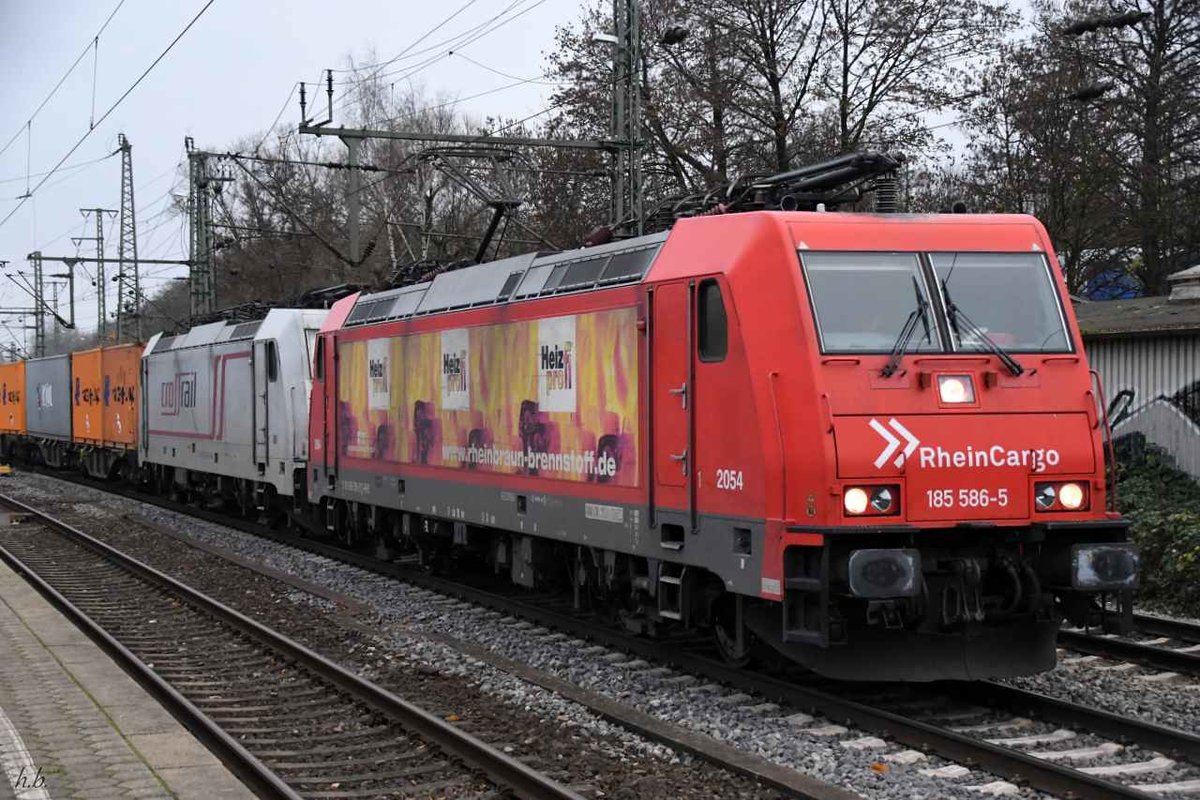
(365, 312)
(245, 330)
(628, 266)
(584, 273)
(509, 285)
(555, 279)
(533, 281)
(405, 304)
(390, 305)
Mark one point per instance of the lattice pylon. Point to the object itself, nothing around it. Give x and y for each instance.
(129, 290)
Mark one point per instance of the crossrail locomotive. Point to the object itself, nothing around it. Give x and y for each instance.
(869, 442)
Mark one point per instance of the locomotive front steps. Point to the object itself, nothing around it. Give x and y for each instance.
(670, 590)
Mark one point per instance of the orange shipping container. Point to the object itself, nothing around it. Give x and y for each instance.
(87, 420)
(119, 388)
(12, 397)
(104, 395)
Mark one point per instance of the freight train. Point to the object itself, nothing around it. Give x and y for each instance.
(870, 443)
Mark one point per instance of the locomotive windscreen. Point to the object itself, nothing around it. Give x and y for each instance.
(1010, 296)
(862, 301)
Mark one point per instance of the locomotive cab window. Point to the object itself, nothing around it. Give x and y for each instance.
(272, 362)
(310, 339)
(1006, 298)
(714, 325)
(319, 359)
(862, 302)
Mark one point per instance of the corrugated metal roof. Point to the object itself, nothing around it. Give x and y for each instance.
(1139, 316)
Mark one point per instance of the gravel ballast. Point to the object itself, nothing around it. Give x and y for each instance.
(551, 734)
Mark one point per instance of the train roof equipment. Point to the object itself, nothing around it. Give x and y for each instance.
(522, 277)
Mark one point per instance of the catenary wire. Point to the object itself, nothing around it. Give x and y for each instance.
(76, 165)
(418, 40)
(279, 116)
(109, 111)
(458, 41)
(61, 80)
(440, 45)
(467, 40)
(542, 78)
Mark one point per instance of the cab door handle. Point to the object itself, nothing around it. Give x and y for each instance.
(682, 393)
(682, 458)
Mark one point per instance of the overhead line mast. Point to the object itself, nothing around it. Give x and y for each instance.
(39, 303)
(202, 276)
(625, 172)
(627, 188)
(101, 283)
(354, 137)
(129, 292)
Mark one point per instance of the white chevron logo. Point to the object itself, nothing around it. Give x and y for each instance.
(892, 443)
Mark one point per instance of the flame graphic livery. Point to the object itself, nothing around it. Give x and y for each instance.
(587, 432)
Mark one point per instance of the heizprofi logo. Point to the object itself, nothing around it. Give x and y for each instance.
(557, 364)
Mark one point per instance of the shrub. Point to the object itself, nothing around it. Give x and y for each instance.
(1164, 505)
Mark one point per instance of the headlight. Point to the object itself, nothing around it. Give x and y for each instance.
(955, 389)
(1071, 496)
(855, 500)
(885, 573)
(876, 501)
(1065, 496)
(1100, 567)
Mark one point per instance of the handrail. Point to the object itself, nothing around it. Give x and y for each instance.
(1110, 449)
(773, 376)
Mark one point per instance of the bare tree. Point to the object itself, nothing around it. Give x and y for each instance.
(1154, 65)
(893, 57)
(1034, 150)
(780, 47)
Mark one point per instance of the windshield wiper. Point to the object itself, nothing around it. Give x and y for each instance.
(959, 321)
(906, 333)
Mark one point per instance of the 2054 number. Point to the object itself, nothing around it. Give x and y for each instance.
(730, 480)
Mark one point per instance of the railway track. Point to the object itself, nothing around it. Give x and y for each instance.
(1172, 646)
(992, 726)
(1010, 732)
(288, 722)
(1150, 625)
(943, 720)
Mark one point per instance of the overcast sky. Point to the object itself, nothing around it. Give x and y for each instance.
(227, 78)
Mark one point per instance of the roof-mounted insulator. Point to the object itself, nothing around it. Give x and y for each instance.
(887, 193)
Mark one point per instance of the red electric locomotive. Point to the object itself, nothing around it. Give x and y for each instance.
(869, 441)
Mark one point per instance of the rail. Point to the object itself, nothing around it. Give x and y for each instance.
(522, 780)
(837, 703)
